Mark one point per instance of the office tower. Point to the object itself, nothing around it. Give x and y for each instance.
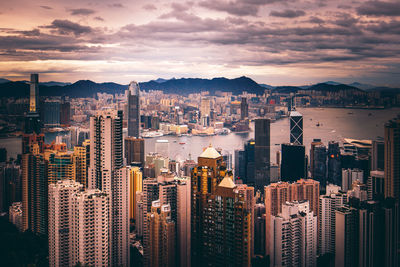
(65, 113)
(376, 185)
(3, 154)
(204, 179)
(293, 240)
(378, 155)
(259, 229)
(183, 222)
(334, 164)
(162, 148)
(240, 165)
(392, 159)
(81, 159)
(319, 164)
(296, 128)
(249, 161)
(61, 165)
(60, 196)
(51, 113)
(314, 143)
(15, 215)
(346, 236)
(293, 166)
(392, 222)
(161, 237)
(10, 185)
(262, 152)
(139, 214)
(90, 228)
(135, 185)
(187, 167)
(32, 118)
(277, 194)
(34, 192)
(205, 107)
(133, 109)
(134, 150)
(244, 108)
(349, 176)
(328, 203)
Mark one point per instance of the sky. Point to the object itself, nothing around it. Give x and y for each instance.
(277, 42)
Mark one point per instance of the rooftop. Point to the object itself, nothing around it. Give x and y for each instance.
(210, 153)
(227, 182)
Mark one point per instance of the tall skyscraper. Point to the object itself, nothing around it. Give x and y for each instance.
(204, 179)
(32, 118)
(314, 143)
(296, 128)
(134, 150)
(392, 159)
(135, 185)
(205, 107)
(378, 155)
(346, 237)
(262, 152)
(61, 165)
(81, 160)
(106, 174)
(334, 164)
(50, 111)
(133, 109)
(328, 203)
(293, 240)
(60, 197)
(161, 237)
(244, 108)
(183, 223)
(293, 166)
(90, 229)
(319, 164)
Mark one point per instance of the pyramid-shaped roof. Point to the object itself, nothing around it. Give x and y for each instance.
(210, 153)
(227, 182)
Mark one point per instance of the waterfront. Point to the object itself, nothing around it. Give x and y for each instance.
(335, 124)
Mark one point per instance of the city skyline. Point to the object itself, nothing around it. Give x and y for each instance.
(274, 42)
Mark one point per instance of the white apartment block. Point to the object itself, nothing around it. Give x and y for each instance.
(293, 239)
(60, 197)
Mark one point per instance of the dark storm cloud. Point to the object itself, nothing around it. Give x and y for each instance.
(81, 11)
(287, 13)
(46, 7)
(379, 8)
(65, 27)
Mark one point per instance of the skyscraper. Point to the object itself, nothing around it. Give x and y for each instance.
(135, 185)
(378, 155)
(133, 109)
(61, 165)
(32, 118)
(346, 237)
(134, 150)
(319, 164)
(81, 159)
(161, 237)
(244, 108)
(314, 143)
(392, 159)
(262, 152)
(334, 164)
(205, 177)
(60, 197)
(293, 166)
(293, 240)
(296, 128)
(183, 222)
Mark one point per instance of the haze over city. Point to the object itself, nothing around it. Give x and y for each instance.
(292, 42)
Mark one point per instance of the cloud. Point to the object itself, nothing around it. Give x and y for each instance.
(236, 7)
(99, 18)
(149, 7)
(81, 11)
(65, 27)
(379, 8)
(46, 7)
(316, 20)
(116, 5)
(288, 13)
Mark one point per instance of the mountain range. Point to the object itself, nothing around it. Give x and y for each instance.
(184, 86)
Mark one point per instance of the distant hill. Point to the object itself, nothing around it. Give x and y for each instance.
(54, 83)
(332, 87)
(4, 80)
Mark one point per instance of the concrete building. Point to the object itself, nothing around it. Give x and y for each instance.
(133, 94)
(60, 197)
(346, 237)
(183, 223)
(262, 152)
(293, 239)
(296, 128)
(349, 176)
(135, 185)
(15, 215)
(134, 151)
(392, 159)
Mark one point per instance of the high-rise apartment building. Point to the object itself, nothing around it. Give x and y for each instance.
(90, 229)
(161, 238)
(133, 109)
(60, 197)
(81, 164)
(134, 151)
(262, 152)
(349, 176)
(293, 166)
(346, 237)
(61, 165)
(293, 240)
(135, 185)
(376, 185)
(183, 222)
(328, 203)
(392, 159)
(296, 128)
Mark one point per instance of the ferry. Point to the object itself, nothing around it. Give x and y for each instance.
(182, 143)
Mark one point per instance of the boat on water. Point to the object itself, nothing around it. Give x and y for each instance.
(182, 143)
(317, 124)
